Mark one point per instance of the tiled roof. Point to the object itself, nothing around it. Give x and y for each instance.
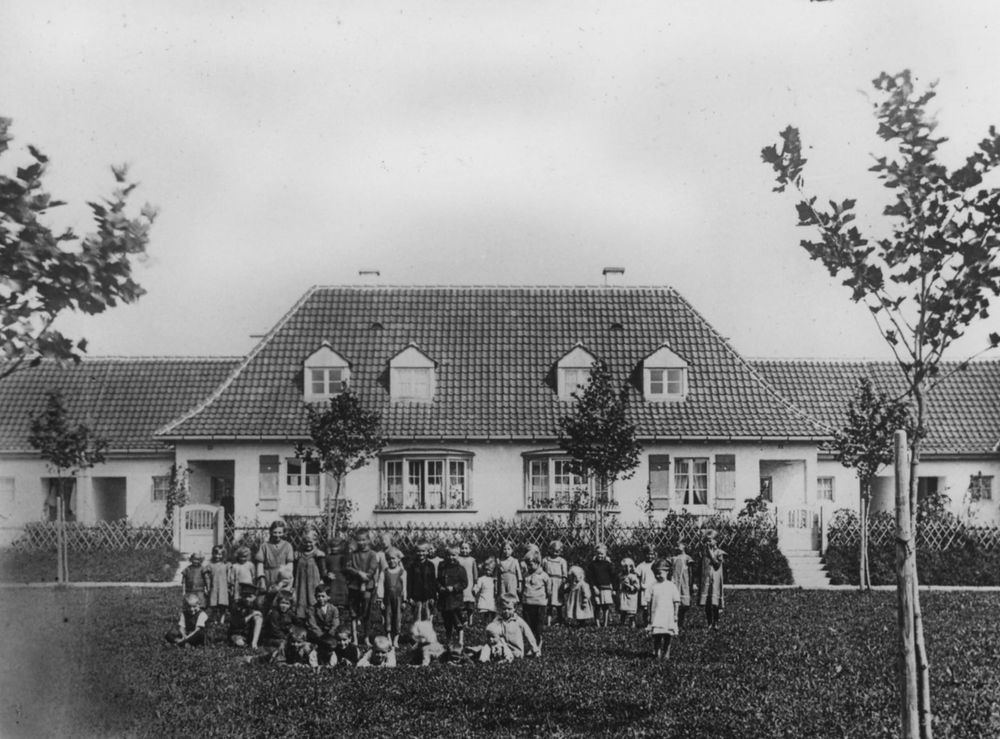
(963, 411)
(495, 349)
(122, 399)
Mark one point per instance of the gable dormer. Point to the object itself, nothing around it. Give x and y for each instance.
(664, 376)
(573, 371)
(412, 376)
(325, 374)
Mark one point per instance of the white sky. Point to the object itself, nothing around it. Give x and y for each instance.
(470, 142)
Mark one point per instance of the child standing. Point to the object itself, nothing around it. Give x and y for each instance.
(578, 599)
(602, 580)
(361, 570)
(712, 596)
(514, 632)
(644, 570)
(310, 570)
(274, 560)
(190, 628)
(485, 590)
(395, 595)
(421, 582)
(194, 579)
(556, 568)
(467, 561)
(536, 594)
(664, 601)
(452, 582)
(241, 573)
(681, 565)
(628, 593)
(217, 578)
(509, 574)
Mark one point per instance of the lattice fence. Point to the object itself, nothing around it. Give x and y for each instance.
(100, 536)
(931, 534)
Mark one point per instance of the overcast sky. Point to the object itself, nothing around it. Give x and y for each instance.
(522, 143)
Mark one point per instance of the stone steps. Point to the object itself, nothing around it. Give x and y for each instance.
(808, 570)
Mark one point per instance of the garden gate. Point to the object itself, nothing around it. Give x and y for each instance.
(799, 528)
(199, 527)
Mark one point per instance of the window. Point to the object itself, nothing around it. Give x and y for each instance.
(325, 374)
(412, 376)
(417, 482)
(161, 487)
(691, 481)
(573, 371)
(302, 489)
(270, 470)
(575, 379)
(981, 487)
(551, 483)
(7, 494)
(664, 376)
(824, 488)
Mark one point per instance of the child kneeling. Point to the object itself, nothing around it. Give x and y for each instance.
(514, 632)
(190, 628)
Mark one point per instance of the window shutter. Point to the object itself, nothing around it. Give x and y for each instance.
(270, 468)
(725, 481)
(659, 481)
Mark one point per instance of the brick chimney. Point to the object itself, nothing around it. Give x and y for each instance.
(614, 276)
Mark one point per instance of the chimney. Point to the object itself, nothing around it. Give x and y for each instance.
(614, 276)
(369, 275)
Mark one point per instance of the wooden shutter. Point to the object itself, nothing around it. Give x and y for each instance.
(659, 481)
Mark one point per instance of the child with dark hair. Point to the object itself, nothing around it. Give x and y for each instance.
(421, 584)
(536, 594)
(278, 622)
(712, 595)
(190, 628)
(275, 559)
(509, 574)
(194, 578)
(601, 575)
(245, 621)
(361, 569)
(451, 582)
(298, 649)
(644, 570)
(345, 652)
(324, 619)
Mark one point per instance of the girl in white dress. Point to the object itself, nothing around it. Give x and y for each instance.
(664, 600)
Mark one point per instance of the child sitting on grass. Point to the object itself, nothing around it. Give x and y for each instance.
(345, 652)
(485, 590)
(426, 647)
(245, 620)
(514, 632)
(496, 649)
(190, 628)
(663, 604)
(278, 622)
(380, 655)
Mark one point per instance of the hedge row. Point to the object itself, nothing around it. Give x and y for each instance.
(968, 565)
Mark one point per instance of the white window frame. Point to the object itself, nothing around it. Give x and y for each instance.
(687, 468)
(161, 488)
(412, 383)
(425, 482)
(664, 376)
(821, 489)
(550, 484)
(325, 374)
(573, 372)
(985, 485)
(302, 486)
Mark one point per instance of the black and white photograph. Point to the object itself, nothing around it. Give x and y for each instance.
(500, 369)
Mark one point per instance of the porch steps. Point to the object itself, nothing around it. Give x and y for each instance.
(808, 570)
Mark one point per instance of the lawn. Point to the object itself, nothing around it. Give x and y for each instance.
(141, 565)
(787, 663)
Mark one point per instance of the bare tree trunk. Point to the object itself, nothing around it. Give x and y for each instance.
(60, 577)
(923, 664)
(908, 694)
(332, 516)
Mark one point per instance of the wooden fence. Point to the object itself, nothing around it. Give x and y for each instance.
(936, 535)
(114, 536)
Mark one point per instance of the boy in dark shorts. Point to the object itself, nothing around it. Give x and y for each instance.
(361, 570)
(451, 582)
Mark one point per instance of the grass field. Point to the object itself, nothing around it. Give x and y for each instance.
(89, 662)
(141, 565)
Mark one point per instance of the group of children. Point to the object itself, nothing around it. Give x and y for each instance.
(288, 602)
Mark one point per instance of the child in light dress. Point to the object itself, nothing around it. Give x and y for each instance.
(467, 561)
(681, 565)
(194, 578)
(217, 585)
(310, 571)
(577, 597)
(644, 570)
(556, 568)
(664, 601)
(509, 574)
(485, 590)
(628, 592)
(712, 595)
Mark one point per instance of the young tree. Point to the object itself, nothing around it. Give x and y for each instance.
(344, 437)
(599, 438)
(44, 274)
(865, 444)
(924, 280)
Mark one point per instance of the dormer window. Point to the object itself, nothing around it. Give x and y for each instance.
(326, 374)
(573, 372)
(412, 376)
(665, 376)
